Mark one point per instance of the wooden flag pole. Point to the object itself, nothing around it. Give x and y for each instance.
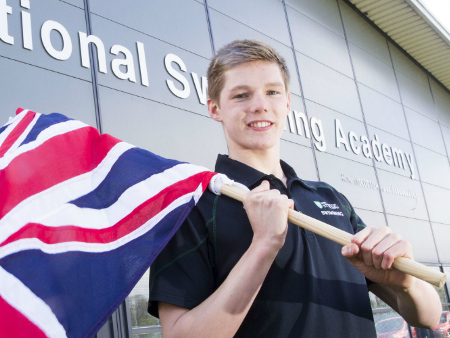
(402, 264)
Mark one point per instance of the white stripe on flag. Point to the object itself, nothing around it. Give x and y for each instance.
(40, 204)
(35, 244)
(45, 135)
(12, 124)
(23, 135)
(70, 214)
(20, 297)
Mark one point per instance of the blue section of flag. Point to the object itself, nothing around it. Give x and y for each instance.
(43, 122)
(83, 272)
(83, 289)
(2, 129)
(132, 167)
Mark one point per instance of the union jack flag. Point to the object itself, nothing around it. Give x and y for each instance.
(82, 217)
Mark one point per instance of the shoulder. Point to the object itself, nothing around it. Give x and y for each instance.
(204, 207)
(326, 190)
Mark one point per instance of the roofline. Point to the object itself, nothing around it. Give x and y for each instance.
(392, 41)
(423, 11)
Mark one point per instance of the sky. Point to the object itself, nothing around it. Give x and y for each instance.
(440, 9)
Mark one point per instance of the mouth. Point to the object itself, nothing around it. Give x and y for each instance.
(259, 124)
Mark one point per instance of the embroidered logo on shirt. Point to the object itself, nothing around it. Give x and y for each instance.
(325, 205)
(318, 204)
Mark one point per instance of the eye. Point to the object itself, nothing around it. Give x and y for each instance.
(240, 96)
(272, 92)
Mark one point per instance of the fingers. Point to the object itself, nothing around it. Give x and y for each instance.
(267, 211)
(401, 248)
(378, 247)
(350, 250)
(266, 196)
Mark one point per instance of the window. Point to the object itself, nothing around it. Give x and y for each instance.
(143, 324)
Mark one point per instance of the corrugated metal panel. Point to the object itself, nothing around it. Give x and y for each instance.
(409, 24)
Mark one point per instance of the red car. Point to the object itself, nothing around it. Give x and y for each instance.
(392, 327)
(443, 329)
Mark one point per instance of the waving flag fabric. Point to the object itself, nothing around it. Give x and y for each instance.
(82, 216)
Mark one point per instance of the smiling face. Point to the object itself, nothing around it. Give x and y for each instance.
(253, 107)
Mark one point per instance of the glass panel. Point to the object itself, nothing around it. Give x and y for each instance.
(148, 335)
(440, 291)
(376, 302)
(425, 333)
(138, 301)
(390, 324)
(447, 272)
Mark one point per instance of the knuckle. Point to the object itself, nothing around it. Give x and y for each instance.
(255, 198)
(284, 198)
(396, 237)
(377, 254)
(280, 203)
(388, 255)
(386, 229)
(405, 243)
(366, 247)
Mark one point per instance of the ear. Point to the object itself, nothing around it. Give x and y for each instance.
(288, 99)
(214, 110)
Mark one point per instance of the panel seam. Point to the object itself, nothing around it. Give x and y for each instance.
(439, 122)
(414, 153)
(362, 110)
(301, 89)
(94, 72)
(208, 22)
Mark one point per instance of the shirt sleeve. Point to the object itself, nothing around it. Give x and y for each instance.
(182, 274)
(357, 223)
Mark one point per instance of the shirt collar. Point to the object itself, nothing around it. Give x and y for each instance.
(248, 176)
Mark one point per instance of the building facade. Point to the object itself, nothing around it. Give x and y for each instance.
(366, 117)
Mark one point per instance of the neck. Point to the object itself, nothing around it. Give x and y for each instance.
(266, 161)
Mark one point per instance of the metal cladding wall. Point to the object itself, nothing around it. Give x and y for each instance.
(346, 77)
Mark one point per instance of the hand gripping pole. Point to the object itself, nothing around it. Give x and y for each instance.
(402, 264)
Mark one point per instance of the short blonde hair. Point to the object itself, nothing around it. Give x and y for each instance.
(236, 53)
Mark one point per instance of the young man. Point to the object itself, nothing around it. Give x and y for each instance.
(244, 272)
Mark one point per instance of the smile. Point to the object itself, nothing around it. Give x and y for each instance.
(259, 124)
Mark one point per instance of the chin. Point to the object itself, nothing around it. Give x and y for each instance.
(261, 146)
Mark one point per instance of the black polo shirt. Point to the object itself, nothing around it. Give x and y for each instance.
(310, 289)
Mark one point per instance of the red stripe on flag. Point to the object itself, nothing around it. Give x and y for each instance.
(19, 110)
(14, 324)
(16, 132)
(56, 160)
(140, 215)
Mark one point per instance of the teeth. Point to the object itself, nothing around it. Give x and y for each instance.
(260, 124)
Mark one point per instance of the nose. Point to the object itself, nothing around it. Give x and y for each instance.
(259, 103)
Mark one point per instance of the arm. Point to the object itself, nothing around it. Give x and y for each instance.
(373, 251)
(221, 314)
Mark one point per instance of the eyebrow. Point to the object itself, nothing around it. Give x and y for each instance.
(271, 84)
(239, 87)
